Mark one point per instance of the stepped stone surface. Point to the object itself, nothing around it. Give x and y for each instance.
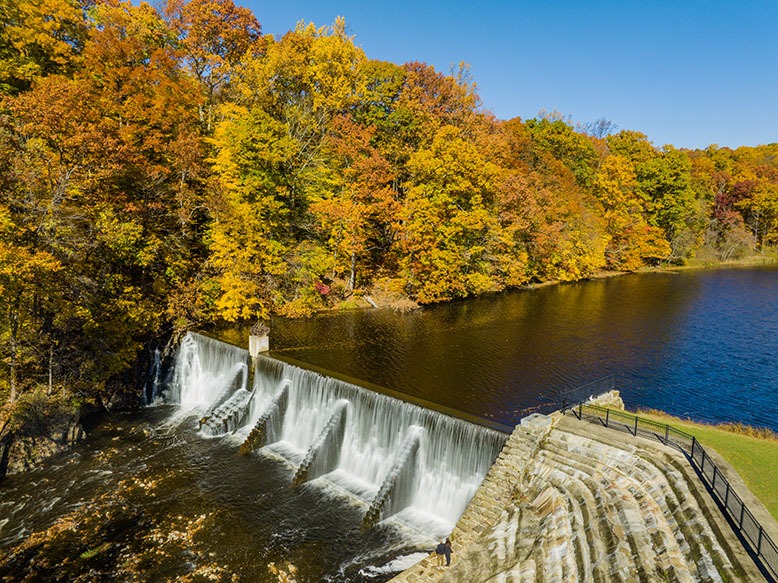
(580, 503)
(227, 416)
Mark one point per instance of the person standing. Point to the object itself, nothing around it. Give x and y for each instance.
(439, 552)
(447, 551)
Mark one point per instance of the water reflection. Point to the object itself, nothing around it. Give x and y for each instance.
(697, 343)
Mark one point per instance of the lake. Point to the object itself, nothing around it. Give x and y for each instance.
(695, 343)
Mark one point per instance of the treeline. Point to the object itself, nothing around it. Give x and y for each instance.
(170, 167)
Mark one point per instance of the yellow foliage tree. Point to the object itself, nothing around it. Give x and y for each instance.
(446, 223)
(633, 242)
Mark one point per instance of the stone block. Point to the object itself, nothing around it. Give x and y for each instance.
(536, 422)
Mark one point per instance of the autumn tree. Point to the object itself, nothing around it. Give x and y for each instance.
(447, 223)
(47, 147)
(355, 206)
(249, 236)
(156, 176)
(38, 38)
(270, 158)
(94, 186)
(28, 298)
(664, 183)
(755, 190)
(549, 215)
(633, 242)
(216, 37)
(726, 235)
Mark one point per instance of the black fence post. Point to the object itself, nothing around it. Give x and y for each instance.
(636, 426)
(667, 434)
(607, 416)
(759, 541)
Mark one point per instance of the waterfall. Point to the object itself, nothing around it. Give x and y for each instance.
(404, 462)
(207, 373)
(398, 487)
(267, 428)
(151, 386)
(400, 459)
(228, 416)
(324, 454)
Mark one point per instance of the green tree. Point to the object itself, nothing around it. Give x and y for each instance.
(551, 135)
(664, 183)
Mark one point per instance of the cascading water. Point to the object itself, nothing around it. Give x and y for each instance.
(207, 373)
(151, 386)
(229, 416)
(418, 464)
(399, 460)
(324, 454)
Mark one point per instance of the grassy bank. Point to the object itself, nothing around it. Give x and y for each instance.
(754, 456)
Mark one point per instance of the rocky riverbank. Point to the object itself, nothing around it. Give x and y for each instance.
(36, 428)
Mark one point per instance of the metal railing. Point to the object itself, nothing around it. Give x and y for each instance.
(763, 547)
(565, 399)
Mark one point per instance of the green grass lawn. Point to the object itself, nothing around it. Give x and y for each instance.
(754, 459)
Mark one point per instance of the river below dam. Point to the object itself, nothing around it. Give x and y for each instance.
(151, 497)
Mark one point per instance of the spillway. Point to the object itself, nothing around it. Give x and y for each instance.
(399, 460)
(207, 372)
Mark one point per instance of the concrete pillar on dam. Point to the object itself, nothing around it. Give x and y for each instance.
(259, 339)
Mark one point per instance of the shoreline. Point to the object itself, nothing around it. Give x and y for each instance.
(403, 303)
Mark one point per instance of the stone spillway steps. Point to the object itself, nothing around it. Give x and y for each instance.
(590, 505)
(228, 416)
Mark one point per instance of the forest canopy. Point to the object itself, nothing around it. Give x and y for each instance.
(164, 168)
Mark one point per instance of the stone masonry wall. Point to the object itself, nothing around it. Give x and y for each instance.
(569, 501)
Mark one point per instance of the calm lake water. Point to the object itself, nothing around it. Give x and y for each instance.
(696, 343)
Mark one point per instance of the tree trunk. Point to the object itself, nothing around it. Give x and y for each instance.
(51, 367)
(352, 278)
(13, 342)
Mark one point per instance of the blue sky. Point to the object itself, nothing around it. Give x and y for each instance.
(687, 72)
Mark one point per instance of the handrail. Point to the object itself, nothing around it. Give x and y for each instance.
(571, 397)
(747, 525)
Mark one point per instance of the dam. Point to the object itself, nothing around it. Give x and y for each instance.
(556, 500)
(396, 459)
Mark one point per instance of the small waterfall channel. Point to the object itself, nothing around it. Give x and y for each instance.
(398, 460)
(207, 373)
